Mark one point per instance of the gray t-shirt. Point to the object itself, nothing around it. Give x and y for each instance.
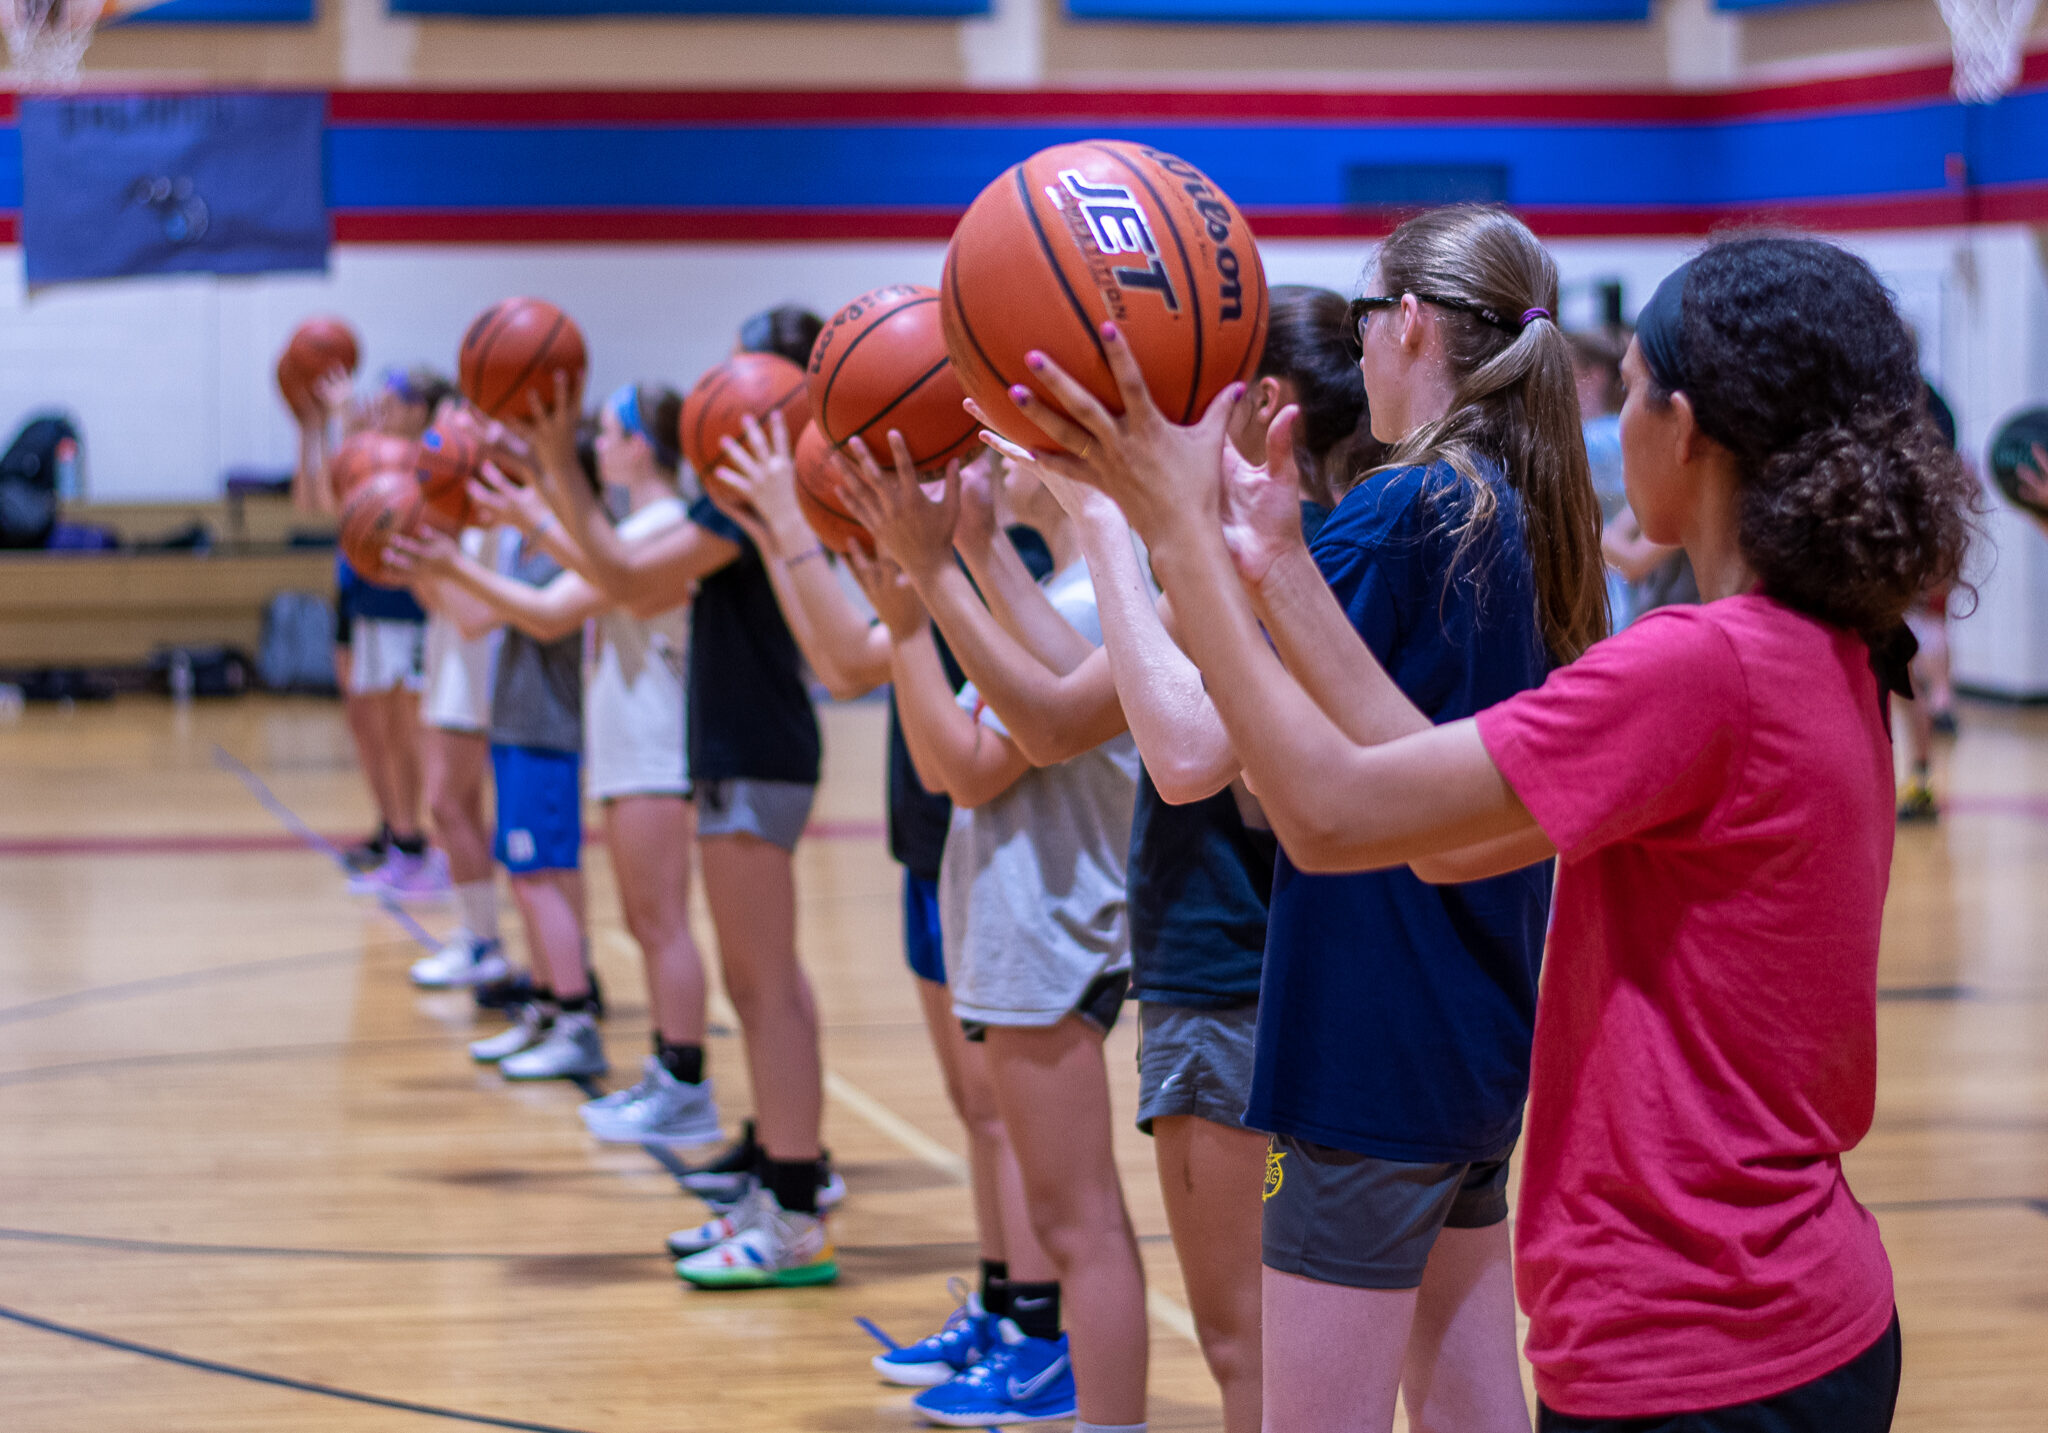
(537, 695)
(1031, 890)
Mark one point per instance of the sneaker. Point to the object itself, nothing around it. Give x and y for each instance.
(368, 854)
(1022, 1380)
(966, 1339)
(571, 1049)
(661, 1110)
(414, 878)
(1918, 803)
(464, 961)
(729, 1177)
(509, 992)
(1944, 722)
(770, 1248)
(529, 1028)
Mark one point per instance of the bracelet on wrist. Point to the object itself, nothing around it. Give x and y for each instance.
(816, 549)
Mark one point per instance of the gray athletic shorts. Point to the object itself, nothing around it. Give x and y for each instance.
(775, 811)
(1195, 1062)
(1344, 1218)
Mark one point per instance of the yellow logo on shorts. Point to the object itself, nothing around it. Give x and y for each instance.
(1275, 1175)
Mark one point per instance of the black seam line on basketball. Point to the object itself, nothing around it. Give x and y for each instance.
(900, 399)
(122, 990)
(1187, 265)
(485, 331)
(34, 1074)
(267, 1251)
(721, 379)
(952, 280)
(275, 1380)
(825, 398)
(547, 346)
(660, 1154)
(1052, 259)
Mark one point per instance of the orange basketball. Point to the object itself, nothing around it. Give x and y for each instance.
(747, 384)
(316, 348)
(385, 504)
(881, 364)
(512, 352)
(449, 456)
(364, 454)
(817, 493)
(1083, 234)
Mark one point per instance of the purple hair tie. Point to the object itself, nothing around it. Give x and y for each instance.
(1530, 316)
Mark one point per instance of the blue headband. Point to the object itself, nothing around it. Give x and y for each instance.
(624, 405)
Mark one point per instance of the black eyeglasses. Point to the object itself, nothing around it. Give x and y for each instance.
(1364, 308)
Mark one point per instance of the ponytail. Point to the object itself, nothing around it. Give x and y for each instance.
(1514, 406)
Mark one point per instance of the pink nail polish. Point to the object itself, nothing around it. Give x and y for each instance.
(1020, 394)
(1034, 360)
(1109, 331)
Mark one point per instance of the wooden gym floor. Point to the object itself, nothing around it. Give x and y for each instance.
(251, 1180)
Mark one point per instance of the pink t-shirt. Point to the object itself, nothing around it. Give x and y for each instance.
(1718, 783)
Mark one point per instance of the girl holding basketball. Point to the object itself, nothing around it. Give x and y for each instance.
(1396, 1015)
(1717, 781)
(753, 752)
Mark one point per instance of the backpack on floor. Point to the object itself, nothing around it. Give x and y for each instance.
(297, 651)
(45, 449)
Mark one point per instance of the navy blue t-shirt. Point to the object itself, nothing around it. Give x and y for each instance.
(1395, 1017)
(1199, 882)
(361, 597)
(750, 715)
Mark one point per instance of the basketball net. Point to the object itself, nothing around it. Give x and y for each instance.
(47, 39)
(1987, 35)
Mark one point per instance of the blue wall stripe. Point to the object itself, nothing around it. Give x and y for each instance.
(584, 9)
(1431, 12)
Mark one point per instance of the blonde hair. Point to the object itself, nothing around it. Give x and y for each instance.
(1513, 403)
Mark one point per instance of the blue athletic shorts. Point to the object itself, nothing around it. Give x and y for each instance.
(540, 809)
(921, 944)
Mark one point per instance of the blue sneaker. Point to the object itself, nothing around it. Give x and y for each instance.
(966, 1339)
(1022, 1380)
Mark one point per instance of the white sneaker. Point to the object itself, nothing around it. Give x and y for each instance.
(664, 1110)
(770, 1247)
(571, 1048)
(461, 963)
(527, 1030)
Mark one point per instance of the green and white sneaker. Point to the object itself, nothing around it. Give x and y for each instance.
(769, 1248)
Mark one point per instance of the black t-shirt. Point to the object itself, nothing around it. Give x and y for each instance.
(918, 818)
(750, 716)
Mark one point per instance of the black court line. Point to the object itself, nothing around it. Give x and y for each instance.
(269, 1251)
(275, 1380)
(1957, 1204)
(149, 985)
(1926, 992)
(34, 1073)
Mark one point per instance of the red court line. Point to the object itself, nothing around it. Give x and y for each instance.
(200, 843)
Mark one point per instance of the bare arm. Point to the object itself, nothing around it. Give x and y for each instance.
(1013, 596)
(1628, 552)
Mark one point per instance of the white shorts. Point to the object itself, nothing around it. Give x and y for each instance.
(386, 656)
(632, 749)
(458, 676)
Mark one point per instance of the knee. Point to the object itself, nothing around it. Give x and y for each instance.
(1230, 1346)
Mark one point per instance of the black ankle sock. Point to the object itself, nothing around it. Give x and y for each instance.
(413, 845)
(1035, 1308)
(684, 1062)
(995, 1287)
(793, 1182)
(574, 1005)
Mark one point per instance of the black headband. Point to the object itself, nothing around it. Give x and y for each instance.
(1660, 331)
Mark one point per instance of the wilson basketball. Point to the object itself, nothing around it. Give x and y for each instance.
(817, 493)
(512, 352)
(449, 456)
(747, 384)
(881, 364)
(1088, 233)
(364, 454)
(316, 348)
(385, 504)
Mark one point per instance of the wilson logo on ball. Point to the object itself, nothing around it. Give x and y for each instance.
(1216, 216)
(1110, 216)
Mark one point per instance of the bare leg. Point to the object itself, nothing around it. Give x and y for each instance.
(454, 763)
(551, 904)
(366, 730)
(1211, 1175)
(965, 1069)
(650, 839)
(1331, 1354)
(401, 739)
(1462, 1375)
(751, 888)
(1054, 1094)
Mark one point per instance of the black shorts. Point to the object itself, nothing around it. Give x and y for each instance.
(1858, 1397)
(1343, 1218)
(1099, 1005)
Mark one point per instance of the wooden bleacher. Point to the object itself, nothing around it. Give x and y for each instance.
(113, 609)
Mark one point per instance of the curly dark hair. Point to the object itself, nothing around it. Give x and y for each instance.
(1798, 363)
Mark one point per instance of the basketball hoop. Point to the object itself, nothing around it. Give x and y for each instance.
(1987, 36)
(47, 39)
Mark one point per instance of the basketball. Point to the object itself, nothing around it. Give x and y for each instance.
(512, 352)
(385, 504)
(2012, 446)
(747, 384)
(817, 493)
(881, 364)
(1083, 234)
(316, 348)
(449, 456)
(364, 454)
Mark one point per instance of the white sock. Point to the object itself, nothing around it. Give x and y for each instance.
(478, 902)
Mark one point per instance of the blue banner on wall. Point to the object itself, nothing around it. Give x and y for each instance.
(156, 184)
(565, 9)
(1437, 12)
